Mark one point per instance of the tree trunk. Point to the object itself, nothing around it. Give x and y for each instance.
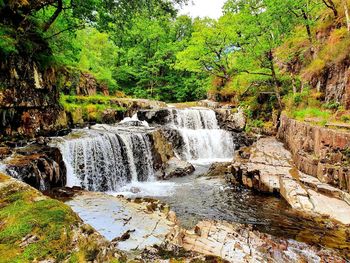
(275, 80)
(307, 25)
(54, 16)
(347, 14)
(330, 4)
(293, 83)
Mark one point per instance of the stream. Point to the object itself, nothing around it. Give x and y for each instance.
(123, 160)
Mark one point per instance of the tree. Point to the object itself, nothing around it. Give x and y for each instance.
(210, 48)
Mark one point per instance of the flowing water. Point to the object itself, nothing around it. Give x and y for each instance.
(105, 161)
(202, 137)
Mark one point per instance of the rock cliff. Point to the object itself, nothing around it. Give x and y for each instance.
(28, 99)
(317, 151)
(334, 83)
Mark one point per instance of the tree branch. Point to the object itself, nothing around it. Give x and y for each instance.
(54, 16)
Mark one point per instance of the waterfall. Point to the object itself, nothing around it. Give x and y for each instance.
(105, 161)
(194, 118)
(201, 136)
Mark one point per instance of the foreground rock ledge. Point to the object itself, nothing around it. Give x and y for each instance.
(239, 243)
(34, 228)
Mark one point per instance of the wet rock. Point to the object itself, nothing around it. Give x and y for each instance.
(218, 169)
(162, 149)
(231, 120)
(39, 166)
(133, 225)
(177, 168)
(155, 117)
(4, 152)
(239, 243)
(135, 190)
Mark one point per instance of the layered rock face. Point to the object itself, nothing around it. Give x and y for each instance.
(41, 167)
(317, 151)
(28, 99)
(240, 243)
(268, 167)
(335, 84)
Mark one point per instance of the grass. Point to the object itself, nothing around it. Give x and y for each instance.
(311, 113)
(24, 212)
(88, 108)
(49, 220)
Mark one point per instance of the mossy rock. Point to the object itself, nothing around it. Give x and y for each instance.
(34, 227)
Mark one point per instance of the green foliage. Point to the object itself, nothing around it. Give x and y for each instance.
(7, 41)
(88, 108)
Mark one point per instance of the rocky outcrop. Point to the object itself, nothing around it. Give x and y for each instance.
(49, 230)
(317, 151)
(230, 119)
(259, 167)
(155, 117)
(334, 83)
(240, 243)
(165, 162)
(28, 99)
(268, 167)
(129, 224)
(218, 169)
(42, 167)
(177, 168)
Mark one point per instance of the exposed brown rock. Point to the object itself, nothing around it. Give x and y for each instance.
(268, 167)
(240, 243)
(41, 167)
(318, 151)
(334, 83)
(218, 169)
(177, 168)
(28, 99)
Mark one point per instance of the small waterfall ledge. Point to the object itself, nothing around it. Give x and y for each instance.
(107, 157)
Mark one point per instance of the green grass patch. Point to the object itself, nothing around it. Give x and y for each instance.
(49, 220)
(25, 213)
(89, 108)
(314, 115)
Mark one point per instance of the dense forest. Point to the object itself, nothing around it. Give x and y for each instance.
(268, 51)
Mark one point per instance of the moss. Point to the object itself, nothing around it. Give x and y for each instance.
(88, 108)
(34, 227)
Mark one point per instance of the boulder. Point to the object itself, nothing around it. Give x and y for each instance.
(177, 168)
(40, 166)
(218, 169)
(231, 120)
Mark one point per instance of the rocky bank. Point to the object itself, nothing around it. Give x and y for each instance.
(268, 167)
(321, 152)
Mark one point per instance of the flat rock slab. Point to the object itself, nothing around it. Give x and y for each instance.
(268, 167)
(239, 243)
(132, 225)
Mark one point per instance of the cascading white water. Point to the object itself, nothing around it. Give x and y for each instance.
(201, 135)
(105, 161)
